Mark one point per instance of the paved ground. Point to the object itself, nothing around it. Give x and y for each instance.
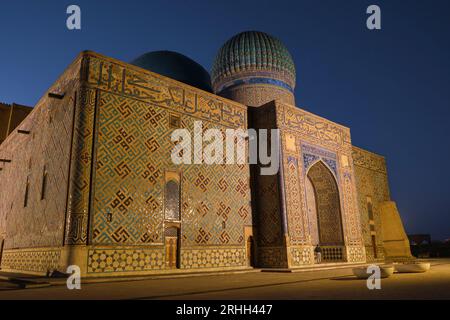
(326, 284)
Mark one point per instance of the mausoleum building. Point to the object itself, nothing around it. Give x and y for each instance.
(87, 177)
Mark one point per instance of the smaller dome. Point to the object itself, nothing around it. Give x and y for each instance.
(175, 66)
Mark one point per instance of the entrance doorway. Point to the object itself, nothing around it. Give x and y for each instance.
(324, 211)
(172, 248)
(172, 219)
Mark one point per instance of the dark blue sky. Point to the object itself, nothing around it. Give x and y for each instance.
(391, 87)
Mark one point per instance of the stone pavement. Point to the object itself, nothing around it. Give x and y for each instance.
(323, 284)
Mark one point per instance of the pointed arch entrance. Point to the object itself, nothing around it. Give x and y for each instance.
(172, 219)
(324, 210)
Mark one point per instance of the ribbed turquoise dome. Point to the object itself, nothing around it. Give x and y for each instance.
(250, 52)
(175, 66)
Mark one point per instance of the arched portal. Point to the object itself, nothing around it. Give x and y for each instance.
(324, 212)
(172, 219)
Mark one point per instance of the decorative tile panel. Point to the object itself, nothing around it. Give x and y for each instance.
(356, 254)
(368, 160)
(45, 149)
(134, 150)
(272, 257)
(80, 173)
(219, 257)
(371, 181)
(297, 223)
(319, 130)
(34, 260)
(270, 228)
(125, 260)
(302, 255)
(129, 178)
(145, 86)
(311, 154)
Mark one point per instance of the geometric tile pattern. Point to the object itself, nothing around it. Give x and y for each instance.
(41, 260)
(133, 150)
(213, 258)
(351, 214)
(269, 215)
(296, 222)
(272, 257)
(301, 256)
(215, 202)
(355, 254)
(80, 173)
(129, 172)
(41, 222)
(371, 181)
(125, 260)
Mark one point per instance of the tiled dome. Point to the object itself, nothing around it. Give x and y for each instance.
(253, 53)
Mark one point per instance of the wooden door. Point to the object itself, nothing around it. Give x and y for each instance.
(171, 252)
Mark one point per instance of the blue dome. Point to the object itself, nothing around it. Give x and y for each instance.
(253, 53)
(175, 66)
